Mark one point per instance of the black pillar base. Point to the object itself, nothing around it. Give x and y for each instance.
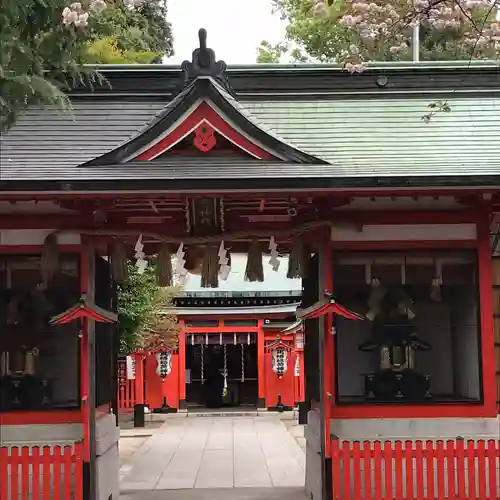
(183, 404)
(261, 403)
(165, 408)
(303, 409)
(86, 480)
(139, 416)
(328, 478)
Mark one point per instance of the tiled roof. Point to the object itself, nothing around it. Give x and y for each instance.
(361, 138)
(203, 311)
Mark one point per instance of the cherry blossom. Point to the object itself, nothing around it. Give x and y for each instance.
(390, 23)
(75, 15)
(98, 5)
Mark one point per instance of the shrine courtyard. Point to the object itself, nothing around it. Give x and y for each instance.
(197, 457)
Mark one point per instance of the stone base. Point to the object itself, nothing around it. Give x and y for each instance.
(108, 463)
(415, 428)
(313, 487)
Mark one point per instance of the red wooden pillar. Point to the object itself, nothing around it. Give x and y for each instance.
(261, 360)
(296, 388)
(84, 362)
(139, 379)
(486, 311)
(302, 378)
(182, 365)
(329, 347)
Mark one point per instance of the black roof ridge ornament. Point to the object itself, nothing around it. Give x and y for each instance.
(204, 63)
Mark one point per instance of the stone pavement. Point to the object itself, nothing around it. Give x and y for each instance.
(213, 453)
(218, 494)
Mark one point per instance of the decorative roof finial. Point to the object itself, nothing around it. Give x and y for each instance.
(204, 63)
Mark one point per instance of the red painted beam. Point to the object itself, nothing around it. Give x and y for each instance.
(398, 216)
(119, 221)
(298, 193)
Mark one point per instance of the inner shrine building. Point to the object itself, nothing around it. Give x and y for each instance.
(384, 205)
(229, 341)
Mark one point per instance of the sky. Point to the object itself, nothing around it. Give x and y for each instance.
(235, 28)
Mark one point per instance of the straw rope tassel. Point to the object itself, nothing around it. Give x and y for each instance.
(50, 258)
(210, 268)
(119, 262)
(297, 260)
(164, 271)
(255, 269)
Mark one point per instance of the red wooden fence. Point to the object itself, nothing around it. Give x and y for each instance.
(126, 388)
(414, 470)
(41, 473)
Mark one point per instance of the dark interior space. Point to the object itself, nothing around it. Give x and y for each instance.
(420, 340)
(39, 362)
(205, 383)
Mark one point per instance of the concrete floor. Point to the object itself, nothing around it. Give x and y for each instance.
(222, 457)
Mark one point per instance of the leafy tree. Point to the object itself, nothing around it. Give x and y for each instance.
(44, 45)
(355, 31)
(143, 323)
(129, 32)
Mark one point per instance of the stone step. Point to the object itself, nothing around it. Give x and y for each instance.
(223, 413)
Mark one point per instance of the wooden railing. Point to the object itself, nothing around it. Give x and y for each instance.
(41, 473)
(414, 470)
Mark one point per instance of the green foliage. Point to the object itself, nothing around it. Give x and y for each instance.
(41, 58)
(32, 41)
(140, 301)
(106, 51)
(323, 38)
(138, 34)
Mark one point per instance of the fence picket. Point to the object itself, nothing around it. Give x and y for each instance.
(56, 471)
(4, 473)
(378, 480)
(25, 472)
(395, 470)
(336, 464)
(440, 470)
(78, 461)
(430, 470)
(409, 453)
(470, 453)
(367, 469)
(481, 468)
(461, 474)
(356, 470)
(345, 453)
(46, 473)
(387, 452)
(14, 473)
(450, 471)
(419, 469)
(398, 470)
(492, 453)
(35, 469)
(68, 466)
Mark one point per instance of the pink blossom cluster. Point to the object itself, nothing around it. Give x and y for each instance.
(75, 15)
(378, 23)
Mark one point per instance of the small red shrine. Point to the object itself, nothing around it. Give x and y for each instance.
(386, 218)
